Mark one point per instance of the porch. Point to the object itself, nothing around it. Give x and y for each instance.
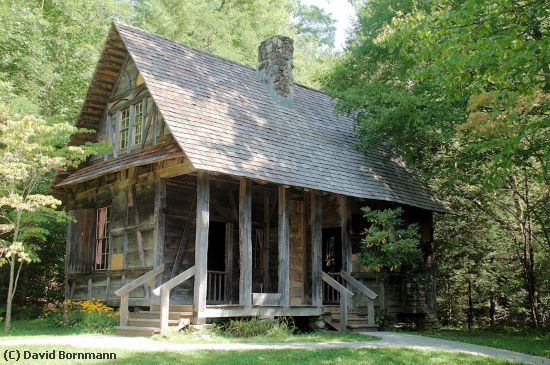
(235, 248)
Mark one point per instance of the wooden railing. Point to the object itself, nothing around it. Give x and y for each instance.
(164, 292)
(124, 292)
(345, 295)
(216, 288)
(362, 289)
(331, 295)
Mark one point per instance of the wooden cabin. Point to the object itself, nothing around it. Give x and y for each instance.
(229, 192)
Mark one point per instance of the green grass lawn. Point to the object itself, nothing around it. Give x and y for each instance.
(529, 342)
(317, 357)
(35, 327)
(214, 337)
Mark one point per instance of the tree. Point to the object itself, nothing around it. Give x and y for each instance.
(234, 29)
(49, 50)
(387, 244)
(31, 151)
(461, 90)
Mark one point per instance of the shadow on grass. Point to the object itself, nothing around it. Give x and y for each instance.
(333, 356)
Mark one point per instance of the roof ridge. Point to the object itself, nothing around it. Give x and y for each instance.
(119, 23)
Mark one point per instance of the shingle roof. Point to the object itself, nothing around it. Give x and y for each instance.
(225, 121)
(146, 156)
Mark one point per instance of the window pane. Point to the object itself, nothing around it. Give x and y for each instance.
(138, 123)
(124, 128)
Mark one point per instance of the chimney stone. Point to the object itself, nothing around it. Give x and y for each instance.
(274, 68)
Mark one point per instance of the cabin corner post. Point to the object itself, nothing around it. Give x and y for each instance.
(159, 221)
(245, 243)
(345, 218)
(284, 268)
(201, 247)
(316, 250)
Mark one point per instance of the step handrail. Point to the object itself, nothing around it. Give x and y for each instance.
(164, 292)
(358, 285)
(124, 292)
(371, 296)
(344, 295)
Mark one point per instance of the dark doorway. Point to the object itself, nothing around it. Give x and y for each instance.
(216, 246)
(332, 250)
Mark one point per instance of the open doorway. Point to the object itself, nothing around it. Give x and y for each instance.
(332, 250)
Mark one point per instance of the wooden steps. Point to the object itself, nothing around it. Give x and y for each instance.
(356, 321)
(147, 323)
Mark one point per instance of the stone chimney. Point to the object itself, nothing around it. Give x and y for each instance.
(275, 68)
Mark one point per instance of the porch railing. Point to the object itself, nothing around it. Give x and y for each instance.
(164, 292)
(124, 292)
(330, 294)
(216, 288)
(362, 289)
(345, 296)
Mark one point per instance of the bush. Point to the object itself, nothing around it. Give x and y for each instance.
(88, 316)
(253, 327)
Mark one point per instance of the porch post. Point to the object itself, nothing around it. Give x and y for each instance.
(245, 243)
(159, 230)
(345, 216)
(316, 249)
(201, 247)
(284, 269)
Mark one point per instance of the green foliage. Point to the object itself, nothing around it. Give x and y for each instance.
(49, 50)
(461, 89)
(255, 327)
(83, 316)
(387, 244)
(234, 29)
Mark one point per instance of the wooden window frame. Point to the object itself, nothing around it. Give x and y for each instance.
(102, 242)
(124, 130)
(138, 123)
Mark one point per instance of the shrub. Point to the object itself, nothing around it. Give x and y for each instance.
(87, 315)
(255, 326)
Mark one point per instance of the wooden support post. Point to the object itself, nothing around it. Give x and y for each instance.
(201, 246)
(265, 252)
(284, 268)
(139, 234)
(108, 288)
(345, 217)
(124, 309)
(229, 263)
(316, 250)
(370, 312)
(343, 312)
(164, 310)
(159, 221)
(245, 243)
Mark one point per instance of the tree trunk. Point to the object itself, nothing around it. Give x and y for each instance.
(470, 305)
(7, 324)
(492, 307)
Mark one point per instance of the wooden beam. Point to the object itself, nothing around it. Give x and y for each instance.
(229, 262)
(137, 221)
(201, 246)
(245, 243)
(265, 252)
(159, 221)
(284, 268)
(316, 250)
(345, 218)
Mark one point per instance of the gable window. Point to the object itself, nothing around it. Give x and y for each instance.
(138, 123)
(102, 249)
(124, 128)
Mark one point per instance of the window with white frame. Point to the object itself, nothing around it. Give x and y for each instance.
(124, 128)
(138, 123)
